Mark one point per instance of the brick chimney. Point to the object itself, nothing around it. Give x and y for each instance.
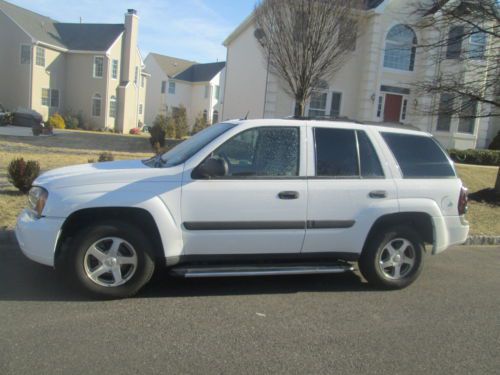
(130, 44)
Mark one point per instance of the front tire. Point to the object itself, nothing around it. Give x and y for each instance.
(392, 259)
(109, 260)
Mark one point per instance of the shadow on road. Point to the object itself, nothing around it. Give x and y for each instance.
(24, 280)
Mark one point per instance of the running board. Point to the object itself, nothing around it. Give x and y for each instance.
(264, 270)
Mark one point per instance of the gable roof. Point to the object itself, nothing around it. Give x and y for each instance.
(71, 36)
(171, 66)
(201, 72)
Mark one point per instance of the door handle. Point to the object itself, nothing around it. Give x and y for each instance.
(288, 195)
(378, 194)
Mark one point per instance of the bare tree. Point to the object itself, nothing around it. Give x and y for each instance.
(462, 42)
(305, 41)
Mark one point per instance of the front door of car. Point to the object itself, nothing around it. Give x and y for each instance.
(348, 190)
(258, 205)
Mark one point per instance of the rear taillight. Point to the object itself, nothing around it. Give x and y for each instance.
(462, 201)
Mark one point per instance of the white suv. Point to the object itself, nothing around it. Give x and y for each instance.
(251, 197)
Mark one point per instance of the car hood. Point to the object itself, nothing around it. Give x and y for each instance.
(116, 172)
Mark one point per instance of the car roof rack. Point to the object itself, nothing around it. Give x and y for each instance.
(395, 125)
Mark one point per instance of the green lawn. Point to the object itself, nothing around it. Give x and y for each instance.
(73, 147)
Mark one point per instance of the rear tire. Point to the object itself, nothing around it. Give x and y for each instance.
(108, 260)
(393, 258)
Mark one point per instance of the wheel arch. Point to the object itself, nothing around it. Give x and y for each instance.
(136, 216)
(421, 222)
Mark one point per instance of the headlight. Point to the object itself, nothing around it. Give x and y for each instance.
(36, 199)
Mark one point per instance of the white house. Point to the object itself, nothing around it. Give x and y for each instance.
(175, 82)
(375, 84)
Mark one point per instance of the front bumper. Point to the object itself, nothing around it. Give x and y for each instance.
(449, 231)
(37, 238)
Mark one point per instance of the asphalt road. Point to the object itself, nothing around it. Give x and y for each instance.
(448, 322)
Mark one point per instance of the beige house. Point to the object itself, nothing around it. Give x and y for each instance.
(94, 70)
(175, 82)
(376, 84)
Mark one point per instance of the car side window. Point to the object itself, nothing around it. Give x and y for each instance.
(262, 152)
(336, 153)
(370, 163)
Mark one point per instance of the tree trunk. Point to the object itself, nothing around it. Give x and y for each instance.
(299, 108)
(497, 184)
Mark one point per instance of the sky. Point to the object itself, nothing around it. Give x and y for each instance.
(188, 29)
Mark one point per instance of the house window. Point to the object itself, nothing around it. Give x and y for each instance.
(467, 116)
(207, 91)
(336, 102)
(455, 37)
(163, 87)
(96, 105)
(404, 110)
(112, 107)
(98, 66)
(400, 48)
(380, 105)
(445, 112)
(477, 45)
(114, 69)
(217, 92)
(40, 56)
(215, 117)
(317, 104)
(46, 97)
(50, 98)
(25, 54)
(54, 98)
(136, 74)
(140, 109)
(171, 87)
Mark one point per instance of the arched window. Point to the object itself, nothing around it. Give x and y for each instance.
(96, 105)
(215, 117)
(400, 48)
(112, 107)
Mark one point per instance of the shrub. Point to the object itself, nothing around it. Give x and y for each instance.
(135, 131)
(480, 157)
(105, 156)
(158, 132)
(72, 122)
(495, 144)
(200, 123)
(57, 121)
(181, 123)
(21, 174)
(171, 130)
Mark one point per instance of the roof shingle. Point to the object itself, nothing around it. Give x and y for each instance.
(201, 72)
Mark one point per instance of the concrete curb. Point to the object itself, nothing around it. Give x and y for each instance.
(477, 240)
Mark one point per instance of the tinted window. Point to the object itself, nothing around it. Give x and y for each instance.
(370, 163)
(336, 152)
(419, 156)
(262, 152)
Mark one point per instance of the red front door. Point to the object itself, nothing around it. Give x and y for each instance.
(392, 111)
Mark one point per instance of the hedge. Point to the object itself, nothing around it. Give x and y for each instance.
(479, 157)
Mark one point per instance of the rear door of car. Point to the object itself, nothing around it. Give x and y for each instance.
(349, 188)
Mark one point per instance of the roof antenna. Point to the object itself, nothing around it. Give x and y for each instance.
(80, 19)
(246, 116)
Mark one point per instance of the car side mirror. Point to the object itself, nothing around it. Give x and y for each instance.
(210, 168)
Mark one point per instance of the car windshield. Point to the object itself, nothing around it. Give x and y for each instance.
(183, 151)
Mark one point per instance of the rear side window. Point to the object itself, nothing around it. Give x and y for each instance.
(419, 156)
(337, 154)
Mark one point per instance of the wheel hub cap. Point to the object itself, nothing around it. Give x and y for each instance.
(397, 258)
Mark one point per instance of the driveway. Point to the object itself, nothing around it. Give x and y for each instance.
(18, 131)
(448, 322)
